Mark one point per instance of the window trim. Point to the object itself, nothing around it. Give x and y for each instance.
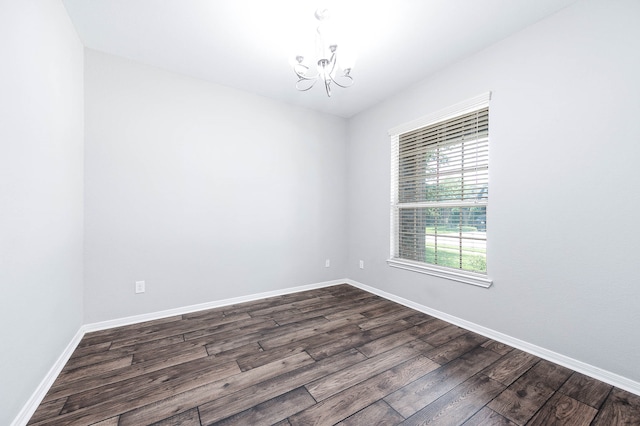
(459, 275)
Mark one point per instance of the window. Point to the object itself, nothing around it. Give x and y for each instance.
(440, 193)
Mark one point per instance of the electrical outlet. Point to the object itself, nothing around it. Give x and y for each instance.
(362, 264)
(139, 287)
(327, 263)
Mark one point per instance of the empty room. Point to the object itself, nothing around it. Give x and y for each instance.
(342, 212)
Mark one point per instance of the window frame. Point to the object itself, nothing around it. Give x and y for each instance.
(455, 274)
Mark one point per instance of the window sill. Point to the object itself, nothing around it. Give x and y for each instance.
(442, 272)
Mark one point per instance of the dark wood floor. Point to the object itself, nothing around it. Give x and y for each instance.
(336, 355)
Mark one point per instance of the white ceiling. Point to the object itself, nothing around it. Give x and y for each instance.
(248, 44)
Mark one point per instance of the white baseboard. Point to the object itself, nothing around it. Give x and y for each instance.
(579, 366)
(103, 325)
(32, 404)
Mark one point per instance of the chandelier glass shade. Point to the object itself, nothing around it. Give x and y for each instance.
(328, 70)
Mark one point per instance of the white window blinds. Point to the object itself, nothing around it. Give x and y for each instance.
(440, 192)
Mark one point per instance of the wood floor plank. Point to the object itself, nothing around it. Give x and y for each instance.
(456, 347)
(194, 397)
(70, 375)
(169, 351)
(397, 315)
(48, 409)
(216, 330)
(312, 301)
(90, 350)
(106, 335)
(386, 308)
(86, 411)
(458, 405)
(113, 421)
(586, 390)
(620, 408)
(273, 410)
(444, 335)
(418, 318)
(565, 411)
(204, 314)
(345, 289)
(230, 342)
(132, 336)
(234, 403)
(300, 333)
(524, 397)
(431, 326)
(93, 359)
(511, 366)
(188, 418)
(152, 331)
(377, 414)
(256, 359)
(252, 348)
(230, 339)
(361, 298)
(348, 402)
(175, 330)
(393, 340)
(355, 339)
(169, 380)
(93, 381)
(333, 311)
(487, 417)
(229, 309)
(357, 308)
(553, 375)
(497, 347)
(284, 318)
(147, 345)
(333, 383)
(415, 396)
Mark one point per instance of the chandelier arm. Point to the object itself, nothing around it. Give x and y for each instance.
(333, 62)
(344, 86)
(305, 79)
(302, 74)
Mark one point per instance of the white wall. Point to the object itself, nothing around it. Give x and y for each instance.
(564, 198)
(203, 191)
(41, 149)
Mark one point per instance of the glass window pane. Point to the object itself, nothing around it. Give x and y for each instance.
(446, 162)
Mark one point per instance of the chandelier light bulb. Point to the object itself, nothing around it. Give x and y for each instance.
(322, 14)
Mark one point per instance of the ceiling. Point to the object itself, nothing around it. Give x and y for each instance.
(248, 44)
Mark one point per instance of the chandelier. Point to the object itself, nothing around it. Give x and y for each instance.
(328, 70)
